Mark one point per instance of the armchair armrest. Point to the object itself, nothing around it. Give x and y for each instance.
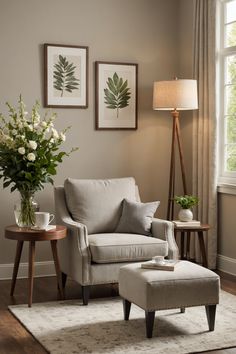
(75, 257)
(164, 230)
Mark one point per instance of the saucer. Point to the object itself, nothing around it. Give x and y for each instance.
(48, 228)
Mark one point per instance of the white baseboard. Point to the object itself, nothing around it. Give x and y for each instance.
(41, 269)
(46, 269)
(226, 264)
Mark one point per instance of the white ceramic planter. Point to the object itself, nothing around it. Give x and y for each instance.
(185, 215)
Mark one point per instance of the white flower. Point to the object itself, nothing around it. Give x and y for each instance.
(31, 156)
(21, 150)
(43, 124)
(30, 127)
(23, 137)
(51, 124)
(55, 133)
(5, 131)
(37, 117)
(52, 141)
(32, 144)
(9, 141)
(14, 132)
(20, 125)
(63, 137)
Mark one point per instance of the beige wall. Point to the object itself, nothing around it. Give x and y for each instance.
(139, 31)
(185, 66)
(227, 233)
(157, 35)
(227, 225)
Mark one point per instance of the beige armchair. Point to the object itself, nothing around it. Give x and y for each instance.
(93, 252)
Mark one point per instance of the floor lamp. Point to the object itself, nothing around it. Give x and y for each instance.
(175, 95)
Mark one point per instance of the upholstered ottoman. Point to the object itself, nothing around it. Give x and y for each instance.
(188, 285)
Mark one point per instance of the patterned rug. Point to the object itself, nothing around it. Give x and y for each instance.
(67, 327)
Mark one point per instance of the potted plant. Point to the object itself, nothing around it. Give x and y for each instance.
(29, 155)
(186, 202)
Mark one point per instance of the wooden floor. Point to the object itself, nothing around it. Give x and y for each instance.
(14, 338)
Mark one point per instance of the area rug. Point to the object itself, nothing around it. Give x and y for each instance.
(67, 327)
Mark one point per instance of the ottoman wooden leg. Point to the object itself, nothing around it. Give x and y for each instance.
(211, 313)
(126, 308)
(182, 309)
(150, 316)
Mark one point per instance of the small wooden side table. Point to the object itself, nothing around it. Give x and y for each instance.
(20, 235)
(188, 230)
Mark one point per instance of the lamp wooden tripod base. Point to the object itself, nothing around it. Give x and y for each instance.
(175, 136)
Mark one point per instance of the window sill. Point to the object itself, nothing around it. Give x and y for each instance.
(227, 189)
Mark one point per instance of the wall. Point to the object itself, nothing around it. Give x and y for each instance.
(139, 31)
(226, 233)
(185, 69)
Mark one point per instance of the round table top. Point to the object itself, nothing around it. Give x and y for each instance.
(14, 232)
(202, 227)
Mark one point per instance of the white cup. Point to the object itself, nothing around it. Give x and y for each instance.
(158, 259)
(43, 219)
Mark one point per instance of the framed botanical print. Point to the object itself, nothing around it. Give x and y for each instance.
(116, 95)
(66, 76)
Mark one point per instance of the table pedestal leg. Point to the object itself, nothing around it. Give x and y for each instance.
(182, 244)
(57, 267)
(31, 270)
(16, 265)
(202, 248)
(188, 244)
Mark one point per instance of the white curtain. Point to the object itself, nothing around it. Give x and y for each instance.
(204, 124)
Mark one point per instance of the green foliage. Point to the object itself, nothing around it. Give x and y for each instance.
(29, 149)
(64, 76)
(231, 36)
(117, 95)
(186, 201)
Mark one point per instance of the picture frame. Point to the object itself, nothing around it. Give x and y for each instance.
(65, 76)
(116, 93)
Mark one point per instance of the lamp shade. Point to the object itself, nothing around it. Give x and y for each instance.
(175, 94)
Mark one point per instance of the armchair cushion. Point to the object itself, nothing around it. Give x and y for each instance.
(98, 203)
(115, 247)
(136, 217)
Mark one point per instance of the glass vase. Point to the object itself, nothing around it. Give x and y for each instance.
(25, 208)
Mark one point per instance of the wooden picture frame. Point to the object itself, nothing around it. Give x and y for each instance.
(65, 76)
(116, 95)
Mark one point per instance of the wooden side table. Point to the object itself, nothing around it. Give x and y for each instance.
(184, 230)
(21, 235)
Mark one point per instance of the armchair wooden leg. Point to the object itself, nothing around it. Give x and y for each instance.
(85, 294)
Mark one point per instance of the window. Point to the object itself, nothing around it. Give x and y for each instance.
(227, 91)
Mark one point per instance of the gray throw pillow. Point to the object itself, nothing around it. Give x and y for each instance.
(136, 217)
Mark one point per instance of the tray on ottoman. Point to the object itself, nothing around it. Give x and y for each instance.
(188, 285)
